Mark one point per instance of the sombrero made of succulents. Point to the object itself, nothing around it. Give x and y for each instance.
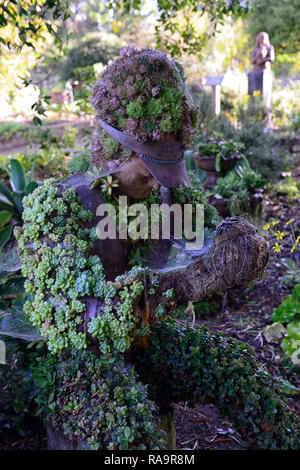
(143, 108)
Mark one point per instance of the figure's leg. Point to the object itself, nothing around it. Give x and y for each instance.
(91, 403)
(185, 363)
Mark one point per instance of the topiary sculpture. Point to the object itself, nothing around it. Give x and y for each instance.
(107, 324)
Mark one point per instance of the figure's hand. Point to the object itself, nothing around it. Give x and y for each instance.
(237, 256)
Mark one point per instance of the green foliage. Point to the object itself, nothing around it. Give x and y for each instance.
(266, 154)
(12, 129)
(102, 405)
(107, 408)
(188, 38)
(289, 312)
(291, 275)
(115, 326)
(221, 150)
(31, 19)
(5, 234)
(206, 307)
(296, 122)
(87, 52)
(48, 152)
(135, 110)
(12, 205)
(195, 364)
(265, 151)
(64, 272)
(162, 105)
(203, 309)
(237, 187)
(191, 195)
(289, 309)
(80, 162)
(289, 186)
(20, 383)
(60, 274)
(242, 180)
(214, 148)
(137, 250)
(280, 19)
(110, 146)
(291, 342)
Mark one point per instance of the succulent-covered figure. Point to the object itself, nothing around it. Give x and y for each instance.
(104, 304)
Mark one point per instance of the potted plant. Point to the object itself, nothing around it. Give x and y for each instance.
(216, 158)
(239, 191)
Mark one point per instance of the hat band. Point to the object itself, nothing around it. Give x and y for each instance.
(157, 161)
(151, 149)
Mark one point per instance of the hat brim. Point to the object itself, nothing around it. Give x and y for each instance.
(171, 175)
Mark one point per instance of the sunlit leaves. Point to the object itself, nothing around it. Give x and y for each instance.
(30, 19)
(176, 30)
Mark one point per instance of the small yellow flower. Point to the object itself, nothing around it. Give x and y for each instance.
(279, 235)
(289, 222)
(297, 239)
(275, 222)
(267, 226)
(277, 248)
(293, 249)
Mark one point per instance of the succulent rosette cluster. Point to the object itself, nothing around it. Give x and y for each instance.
(143, 94)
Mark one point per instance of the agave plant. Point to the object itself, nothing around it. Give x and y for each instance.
(11, 205)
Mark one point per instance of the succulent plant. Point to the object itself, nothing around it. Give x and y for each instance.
(142, 93)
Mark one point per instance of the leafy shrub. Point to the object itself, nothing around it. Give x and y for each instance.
(48, 152)
(288, 186)
(237, 186)
(206, 117)
(106, 406)
(8, 130)
(291, 276)
(291, 342)
(289, 312)
(12, 206)
(195, 364)
(80, 162)
(87, 52)
(289, 309)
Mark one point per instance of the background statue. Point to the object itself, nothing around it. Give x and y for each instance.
(261, 78)
(263, 53)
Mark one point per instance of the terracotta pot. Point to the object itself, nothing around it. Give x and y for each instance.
(255, 200)
(222, 205)
(208, 164)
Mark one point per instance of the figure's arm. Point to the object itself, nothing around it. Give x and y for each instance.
(237, 256)
(271, 54)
